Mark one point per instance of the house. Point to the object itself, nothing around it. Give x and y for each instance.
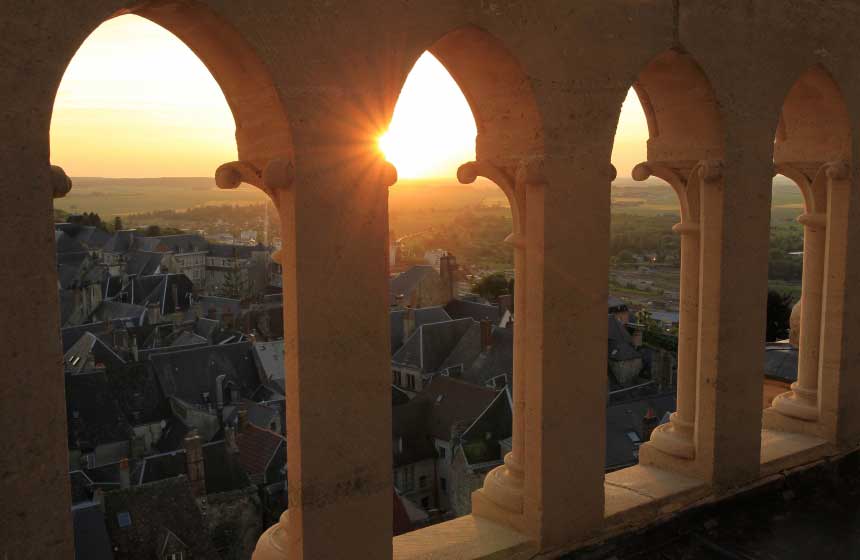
(480, 448)
(269, 357)
(206, 385)
(404, 322)
(424, 286)
(424, 433)
(236, 270)
(425, 352)
(91, 537)
(263, 454)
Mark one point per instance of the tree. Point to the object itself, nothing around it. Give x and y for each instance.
(778, 315)
(492, 286)
(152, 231)
(117, 223)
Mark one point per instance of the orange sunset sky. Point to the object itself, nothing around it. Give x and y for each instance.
(136, 102)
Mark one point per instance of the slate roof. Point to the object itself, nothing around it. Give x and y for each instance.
(91, 537)
(620, 342)
(76, 359)
(269, 357)
(430, 344)
(616, 304)
(263, 414)
(443, 404)
(228, 251)
(94, 416)
(152, 509)
(460, 308)
(120, 242)
(159, 288)
(221, 469)
(142, 263)
(406, 282)
(423, 316)
(180, 243)
(187, 374)
(780, 362)
(138, 394)
(495, 421)
(492, 362)
(115, 310)
(621, 419)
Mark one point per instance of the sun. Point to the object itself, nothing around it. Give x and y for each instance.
(432, 131)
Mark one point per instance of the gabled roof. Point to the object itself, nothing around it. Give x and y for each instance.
(443, 404)
(137, 516)
(422, 316)
(620, 342)
(221, 468)
(780, 362)
(406, 282)
(492, 362)
(161, 289)
(269, 357)
(77, 358)
(460, 308)
(430, 344)
(187, 374)
(180, 243)
(480, 441)
(115, 310)
(142, 263)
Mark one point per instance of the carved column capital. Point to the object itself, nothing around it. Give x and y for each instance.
(61, 184)
(278, 174)
(837, 170)
(710, 170)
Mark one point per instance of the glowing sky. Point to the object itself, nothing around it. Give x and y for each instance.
(136, 102)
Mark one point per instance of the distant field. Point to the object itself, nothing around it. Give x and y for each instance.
(414, 205)
(119, 197)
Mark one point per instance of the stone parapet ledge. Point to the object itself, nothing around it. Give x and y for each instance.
(464, 538)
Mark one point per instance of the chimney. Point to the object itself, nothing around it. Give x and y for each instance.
(252, 336)
(134, 347)
(219, 392)
(447, 270)
(637, 338)
(486, 335)
(243, 420)
(153, 312)
(124, 474)
(175, 293)
(230, 439)
(408, 323)
(649, 422)
(194, 463)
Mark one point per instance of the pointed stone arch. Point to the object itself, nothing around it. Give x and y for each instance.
(262, 127)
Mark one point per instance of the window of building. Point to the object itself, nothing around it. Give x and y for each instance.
(410, 381)
(425, 503)
(396, 377)
(441, 451)
(422, 481)
(455, 371)
(443, 484)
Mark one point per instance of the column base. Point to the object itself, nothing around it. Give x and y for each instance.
(674, 438)
(501, 498)
(798, 403)
(775, 419)
(272, 544)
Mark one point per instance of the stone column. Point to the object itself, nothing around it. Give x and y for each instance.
(501, 498)
(676, 437)
(802, 401)
(335, 227)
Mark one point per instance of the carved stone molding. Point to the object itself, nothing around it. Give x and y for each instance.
(61, 184)
(231, 175)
